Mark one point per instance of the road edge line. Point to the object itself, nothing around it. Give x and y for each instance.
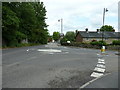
(89, 82)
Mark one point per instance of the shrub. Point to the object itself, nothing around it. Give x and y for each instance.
(116, 42)
(98, 43)
(63, 40)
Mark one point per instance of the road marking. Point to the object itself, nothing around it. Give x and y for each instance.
(66, 52)
(101, 60)
(13, 64)
(65, 47)
(86, 84)
(51, 53)
(32, 49)
(16, 63)
(49, 50)
(100, 66)
(99, 69)
(94, 74)
(98, 54)
(32, 58)
(27, 50)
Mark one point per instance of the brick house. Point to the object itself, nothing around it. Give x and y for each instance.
(88, 36)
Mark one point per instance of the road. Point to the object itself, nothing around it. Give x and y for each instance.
(52, 66)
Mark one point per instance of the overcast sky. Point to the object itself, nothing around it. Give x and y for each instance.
(80, 14)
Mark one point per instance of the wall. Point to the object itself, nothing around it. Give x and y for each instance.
(79, 38)
(108, 41)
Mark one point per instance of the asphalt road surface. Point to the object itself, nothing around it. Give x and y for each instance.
(52, 66)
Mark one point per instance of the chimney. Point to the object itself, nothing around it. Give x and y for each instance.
(76, 31)
(86, 30)
(98, 30)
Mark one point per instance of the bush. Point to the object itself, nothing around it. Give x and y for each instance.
(98, 43)
(63, 40)
(116, 42)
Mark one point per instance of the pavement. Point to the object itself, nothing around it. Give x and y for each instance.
(52, 66)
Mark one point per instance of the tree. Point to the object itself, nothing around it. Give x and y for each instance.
(107, 28)
(24, 20)
(56, 36)
(10, 23)
(70, 36)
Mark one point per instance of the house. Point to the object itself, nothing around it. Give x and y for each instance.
(88, 36)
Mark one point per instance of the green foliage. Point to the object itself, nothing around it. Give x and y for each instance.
(56, 36)
(70, 36)
(63, 40)
(98, 43)
(24, 21)
(107, 28)
(116, 42)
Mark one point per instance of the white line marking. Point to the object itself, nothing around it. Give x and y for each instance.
(49, 50)
(98, 54)
(101, 62)
(65, 47)
(27, 50)
(13, 64)
(99, 69)
(51, 53)
(20, 62)
(100, 65)
(66, 52)
(32, 49)
(32, 58)
(83, 86)
(94, 74)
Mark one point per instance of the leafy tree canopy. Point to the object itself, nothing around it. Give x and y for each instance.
(107, 28)
(24, 20)
(56, 36)
(70, 36)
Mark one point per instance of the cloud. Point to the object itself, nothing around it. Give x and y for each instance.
(80, 14)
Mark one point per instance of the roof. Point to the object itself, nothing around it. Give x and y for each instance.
(99, 34)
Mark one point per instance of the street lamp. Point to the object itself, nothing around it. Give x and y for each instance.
(61, 20)
(105, 10)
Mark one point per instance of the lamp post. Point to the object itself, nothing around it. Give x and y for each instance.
(105, 10)
(103, 47)
(61, 25)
